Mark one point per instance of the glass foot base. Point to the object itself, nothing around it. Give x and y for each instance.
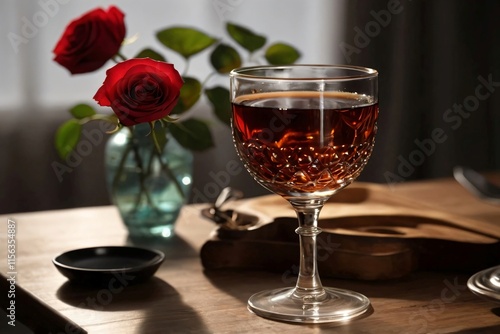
(335, 305)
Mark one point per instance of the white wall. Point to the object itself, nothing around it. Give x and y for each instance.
(312, 26)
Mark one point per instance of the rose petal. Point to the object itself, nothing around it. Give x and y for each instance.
(140, 90)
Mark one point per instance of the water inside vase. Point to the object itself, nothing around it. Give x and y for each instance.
(148, 194)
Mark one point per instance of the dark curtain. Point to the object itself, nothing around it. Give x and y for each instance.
(439, 84)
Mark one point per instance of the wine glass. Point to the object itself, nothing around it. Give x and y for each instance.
(305, 132)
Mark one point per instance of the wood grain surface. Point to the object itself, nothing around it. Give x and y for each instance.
(183, 297)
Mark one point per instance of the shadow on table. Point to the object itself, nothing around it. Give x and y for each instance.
(419, 289)
(158, 302)
(483, 330)
(117, 297)
(242, 284)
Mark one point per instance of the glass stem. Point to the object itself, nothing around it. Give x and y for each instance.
(309, 287)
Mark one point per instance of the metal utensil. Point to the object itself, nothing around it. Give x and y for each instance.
(477, 184)
(230, 219)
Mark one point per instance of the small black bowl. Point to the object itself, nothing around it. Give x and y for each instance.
(105, 265)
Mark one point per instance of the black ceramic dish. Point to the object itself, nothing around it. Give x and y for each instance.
(105, 265)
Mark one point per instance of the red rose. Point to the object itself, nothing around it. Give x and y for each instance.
(91, 40)
(140, 90)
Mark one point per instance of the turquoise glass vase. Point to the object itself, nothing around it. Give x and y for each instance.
(148, 189)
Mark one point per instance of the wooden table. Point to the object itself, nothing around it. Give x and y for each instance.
(183, 298)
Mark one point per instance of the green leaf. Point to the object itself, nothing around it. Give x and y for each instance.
(219, 97)
(246, 38)
(82, 111)
(67, 136)
(185, 41)
(189, 95)
(281, 54)
(224, 58)
(192, 134)
(159, 136)
(150, 53)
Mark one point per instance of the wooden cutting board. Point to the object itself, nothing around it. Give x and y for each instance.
(369, 233)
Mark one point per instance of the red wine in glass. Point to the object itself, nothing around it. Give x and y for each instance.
(304, 142)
